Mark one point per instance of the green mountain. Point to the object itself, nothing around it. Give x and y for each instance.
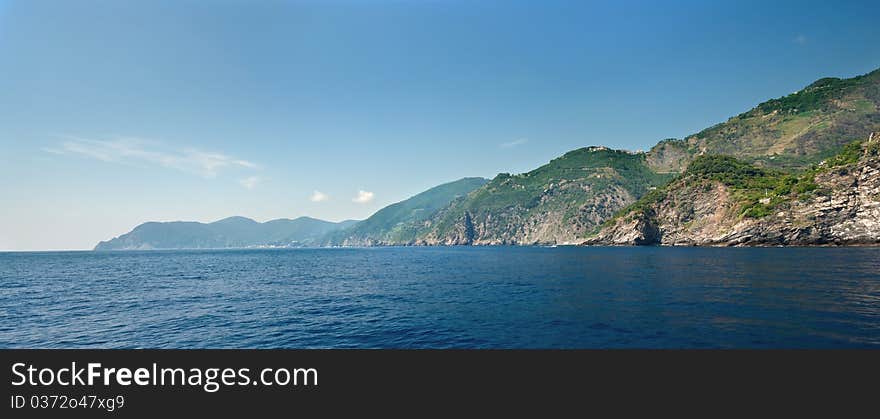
(788, 133)
(766, 161)
(403, 222)
(232, 232)
(559, 202)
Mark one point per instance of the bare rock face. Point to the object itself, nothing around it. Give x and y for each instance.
(638, 230)
(851, 215)
(703, 213)
(669, 156)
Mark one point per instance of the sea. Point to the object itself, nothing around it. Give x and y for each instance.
(443, 297)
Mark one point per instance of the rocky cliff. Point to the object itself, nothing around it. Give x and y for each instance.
(722, 203)
(558, 203)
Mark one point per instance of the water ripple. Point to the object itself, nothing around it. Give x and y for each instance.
(459, 297)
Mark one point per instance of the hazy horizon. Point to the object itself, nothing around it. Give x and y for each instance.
(119, 113)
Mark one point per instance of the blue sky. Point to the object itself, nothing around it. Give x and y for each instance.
(115, 113)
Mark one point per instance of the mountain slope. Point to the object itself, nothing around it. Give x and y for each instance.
(232, 232)
(789, 133)
(722, 201)
(572, 196)
(555, 203)
(400, 223)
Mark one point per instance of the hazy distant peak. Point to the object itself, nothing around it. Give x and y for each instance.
(237, 219)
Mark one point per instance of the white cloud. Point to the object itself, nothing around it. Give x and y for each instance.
(128, 150)
(363, 197)
(250, 182)
(800, 39)
(514, 143)
(52, 150)
(318, 196)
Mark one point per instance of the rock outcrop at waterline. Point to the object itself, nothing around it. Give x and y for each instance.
(837, 203)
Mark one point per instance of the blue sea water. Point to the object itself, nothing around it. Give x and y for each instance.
(443, 297)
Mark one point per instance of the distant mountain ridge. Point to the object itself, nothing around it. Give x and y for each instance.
(397, 223)
(232, 232)
(573, 197)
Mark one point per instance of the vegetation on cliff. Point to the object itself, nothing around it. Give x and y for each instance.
(723, 201)
(790, 133)
(756, 192)
(560, 201)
